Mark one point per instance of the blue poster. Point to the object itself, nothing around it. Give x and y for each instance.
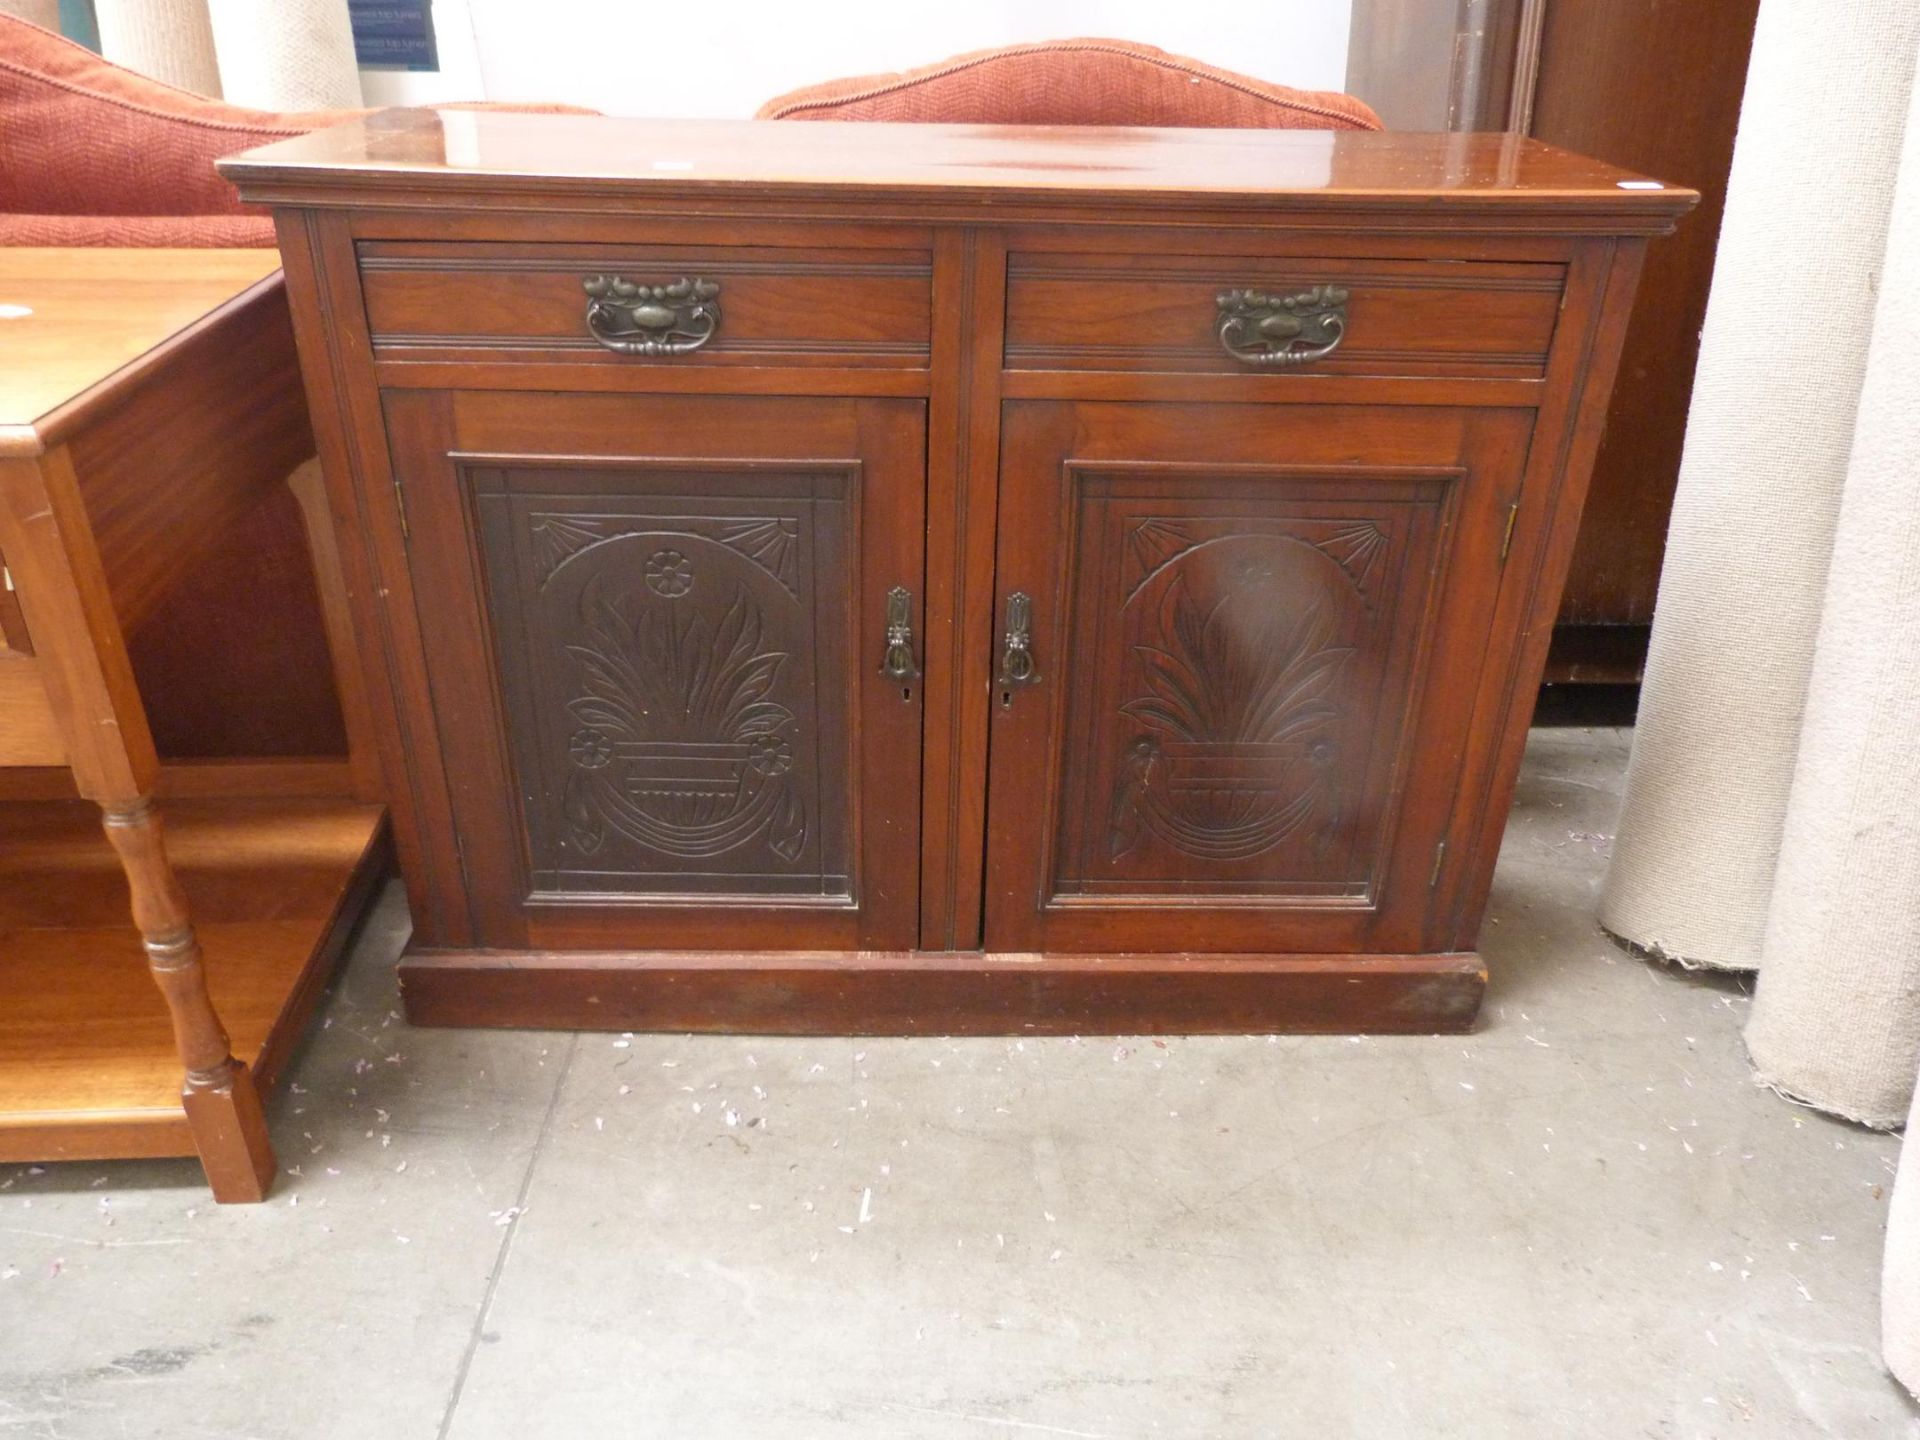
(393, 34)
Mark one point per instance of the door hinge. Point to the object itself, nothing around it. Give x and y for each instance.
(400, 504)
(1439, 859)
(1506, 540)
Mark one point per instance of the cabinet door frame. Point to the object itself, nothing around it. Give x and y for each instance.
(1049, 450)
(442, 440)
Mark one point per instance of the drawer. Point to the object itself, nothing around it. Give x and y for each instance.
(752, 306)
(1332, 316)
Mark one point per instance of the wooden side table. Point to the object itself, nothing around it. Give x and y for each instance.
(148, 399)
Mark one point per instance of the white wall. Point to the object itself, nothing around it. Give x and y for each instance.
(724, 57)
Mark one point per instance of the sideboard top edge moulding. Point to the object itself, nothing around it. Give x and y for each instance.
(505, 154)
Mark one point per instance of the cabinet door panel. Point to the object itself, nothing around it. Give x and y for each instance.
(674, 618)
(1238, 615)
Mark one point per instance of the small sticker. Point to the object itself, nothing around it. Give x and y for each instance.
(673, 165)
(1639, 184)
(15, 312)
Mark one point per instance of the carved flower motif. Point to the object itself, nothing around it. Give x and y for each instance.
(669, 574)
(769, 755)
(591, 749)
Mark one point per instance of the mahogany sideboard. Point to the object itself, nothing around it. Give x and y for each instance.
(893, 579)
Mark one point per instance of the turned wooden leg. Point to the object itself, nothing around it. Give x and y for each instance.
(222, 1103)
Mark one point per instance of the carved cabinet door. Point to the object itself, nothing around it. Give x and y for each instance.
(673, 644)
(1239, 646)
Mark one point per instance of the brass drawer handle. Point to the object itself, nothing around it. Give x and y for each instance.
(899, 663)
(1016, 650)
(1272, 331)
(630, 319)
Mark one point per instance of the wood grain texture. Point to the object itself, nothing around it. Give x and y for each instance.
(666, 661)
(94, 313)
(790, 993)
(88, 1067)
(929, 172)
(1642, 83)
(1155, 311)
(29, 732)
(1233, 652)
(1283, 622)
(80, 648)
(526, 302)
(330, 583)
(170, 463)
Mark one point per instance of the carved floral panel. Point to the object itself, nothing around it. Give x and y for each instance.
(1235, 685)
(672, 661)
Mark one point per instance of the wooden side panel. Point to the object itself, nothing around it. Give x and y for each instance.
(349, 431)
(180, 460)
(29, 733)
(1600, 290)
(1656, 86)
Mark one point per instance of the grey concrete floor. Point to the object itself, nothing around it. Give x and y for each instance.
(1584, 1220)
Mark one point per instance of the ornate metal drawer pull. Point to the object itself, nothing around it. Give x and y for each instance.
(631, 319)
(1272, 331)
(1016, 651)
(899, 664)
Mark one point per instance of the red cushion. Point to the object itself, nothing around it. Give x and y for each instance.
(83, 136)
(1075, 82)
(141, 231)
(93, 154)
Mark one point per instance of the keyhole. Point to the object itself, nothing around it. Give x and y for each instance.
(1006, 699)
(906, 694)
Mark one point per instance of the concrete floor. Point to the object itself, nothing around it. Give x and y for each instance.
(1582, 1221)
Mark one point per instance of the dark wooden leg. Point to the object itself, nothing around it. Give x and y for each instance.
(222, 1103)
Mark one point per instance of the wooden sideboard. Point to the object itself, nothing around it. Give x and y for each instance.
(882, 578)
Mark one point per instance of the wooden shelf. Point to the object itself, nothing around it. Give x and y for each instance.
(88, 1068)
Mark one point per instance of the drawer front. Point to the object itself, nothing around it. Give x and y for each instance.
(692, 305)
(1292, 314)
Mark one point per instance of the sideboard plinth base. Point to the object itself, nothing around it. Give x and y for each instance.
(916, 993)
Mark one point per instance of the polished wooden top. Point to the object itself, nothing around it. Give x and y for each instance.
(73, 320)
(490, 151)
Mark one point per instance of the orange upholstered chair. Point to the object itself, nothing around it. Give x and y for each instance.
(93, 154)
(1075, 82)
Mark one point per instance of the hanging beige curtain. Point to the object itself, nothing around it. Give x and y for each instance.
(1772, 815)
(270, 54)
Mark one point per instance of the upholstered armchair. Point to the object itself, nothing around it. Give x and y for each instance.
(1075, 82)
